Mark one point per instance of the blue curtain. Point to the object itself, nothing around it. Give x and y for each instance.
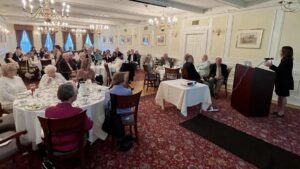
(88, 41)
(69, 43)
(48, 42)
(25, 43)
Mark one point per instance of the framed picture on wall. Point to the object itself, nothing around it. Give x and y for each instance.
(121, 39)
(104, 40)
(161, 40)
(249, 38)
(128, 40)
(110, 40)
(146, 40)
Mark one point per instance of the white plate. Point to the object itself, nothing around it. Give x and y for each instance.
(34, 106)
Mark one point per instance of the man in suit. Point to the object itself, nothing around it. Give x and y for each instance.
(17, 56)
(166, 61)
(190, 68)
(131, 56)
(217, 75)
(66, 66)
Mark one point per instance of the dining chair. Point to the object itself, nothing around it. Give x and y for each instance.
(23, 68)
(66, 126)
(129, 118)
(108, 75)
(12, 147)
(150, 78)
(6, 122)
(171, 74)
(226, 80)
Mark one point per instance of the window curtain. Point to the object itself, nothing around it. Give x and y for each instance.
(65, 36)
(91, 35)
(19, 31)
(44, 36)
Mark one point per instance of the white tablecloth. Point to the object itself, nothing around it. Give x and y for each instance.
(100, 70)
(27, 119)
(175, 92)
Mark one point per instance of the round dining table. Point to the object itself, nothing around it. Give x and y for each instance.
(28, 107)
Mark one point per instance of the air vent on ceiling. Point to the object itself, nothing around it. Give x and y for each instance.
(161, 3)
(145, 28)
(195, 22)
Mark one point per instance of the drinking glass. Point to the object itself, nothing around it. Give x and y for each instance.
(32, 88)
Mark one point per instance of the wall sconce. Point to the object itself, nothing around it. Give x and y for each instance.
(218, 31)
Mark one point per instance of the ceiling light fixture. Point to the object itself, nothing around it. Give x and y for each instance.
(290, 5)
(46, 10)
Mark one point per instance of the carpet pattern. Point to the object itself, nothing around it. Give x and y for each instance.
(166, 145)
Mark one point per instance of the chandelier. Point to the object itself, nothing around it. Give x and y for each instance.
(290, 5)
(163, 21)
(98, 28)
(78, 30)
(45, 10)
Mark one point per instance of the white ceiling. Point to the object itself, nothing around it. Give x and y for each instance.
(118, 12)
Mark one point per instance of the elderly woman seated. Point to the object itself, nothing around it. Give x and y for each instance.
(67, 93)
(119, 87)
(10, 85)
(51, 77)
(85, 72)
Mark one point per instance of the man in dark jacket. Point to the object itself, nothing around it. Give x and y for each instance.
(18, 54)
(190, 68)
(66, 66)
(218, 74)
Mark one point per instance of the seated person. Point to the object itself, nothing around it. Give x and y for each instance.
(190, 68)
(107, 56)
(218, 73)
(51, 77)
(166, 61)
(137, 57)
(119, 87)
(98, 56)
(204, 67)
(10, 85)
(85, 72)
(17, 56)
(67, 94)
(149, 61)
(116, 54)
(131, 56)
(8, 58)
(118, 62)
(66, 67)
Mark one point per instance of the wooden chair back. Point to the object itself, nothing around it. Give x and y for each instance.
(128, 101)
(171, 74)
(108, 75)
(23, 66)
(46, 63)
(71, 125)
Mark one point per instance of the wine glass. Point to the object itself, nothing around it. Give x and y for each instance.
(32, 88)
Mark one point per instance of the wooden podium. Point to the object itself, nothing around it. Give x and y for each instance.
(252, 91)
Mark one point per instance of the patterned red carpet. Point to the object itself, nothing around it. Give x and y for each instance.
(166, 145)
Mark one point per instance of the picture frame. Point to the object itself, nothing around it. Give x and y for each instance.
(121, 39)
(161, 39)
(146, 40)
(128, 40)
(249, 38)
(104, 40)
(110, 40)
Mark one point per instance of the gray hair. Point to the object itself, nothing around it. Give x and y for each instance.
(49, 68)
(66, 91)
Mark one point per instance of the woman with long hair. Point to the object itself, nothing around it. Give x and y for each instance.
(284, 78)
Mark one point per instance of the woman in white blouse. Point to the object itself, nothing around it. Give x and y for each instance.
(51, 77)
(10, 85)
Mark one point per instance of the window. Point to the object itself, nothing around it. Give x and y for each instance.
(25, 43)
(49, 43)
(69, 43)
(88, 41)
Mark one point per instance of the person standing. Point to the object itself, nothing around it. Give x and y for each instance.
(284, 81)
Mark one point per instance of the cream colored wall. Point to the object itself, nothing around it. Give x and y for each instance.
(262, 19)
(4, 46)
(217, 41)
(290, 33)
